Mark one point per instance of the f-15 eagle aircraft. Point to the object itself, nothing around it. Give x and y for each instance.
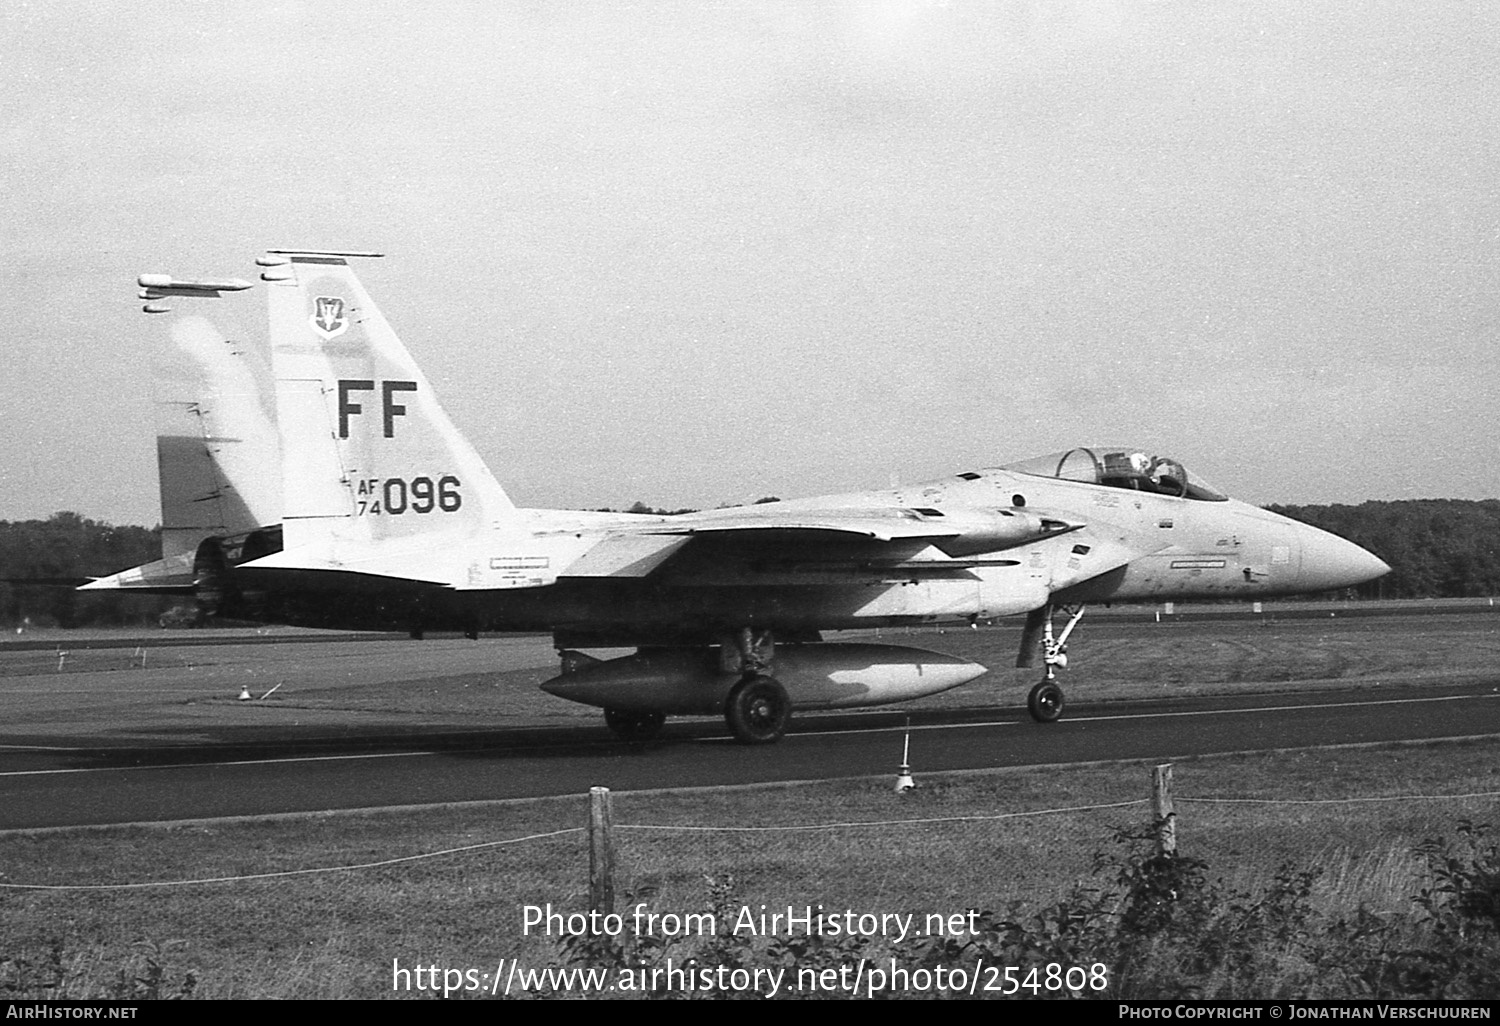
(391, 520)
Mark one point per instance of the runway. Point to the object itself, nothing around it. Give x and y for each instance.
(61, 788)
(176, 759)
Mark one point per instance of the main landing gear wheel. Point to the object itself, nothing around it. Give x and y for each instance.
(1045, 703)
(634, 726)
(757, 710)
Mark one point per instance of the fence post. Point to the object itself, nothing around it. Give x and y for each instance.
(601, 851)
(1161, 810)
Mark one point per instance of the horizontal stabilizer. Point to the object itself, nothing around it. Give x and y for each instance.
(415, 567)
(170, 575)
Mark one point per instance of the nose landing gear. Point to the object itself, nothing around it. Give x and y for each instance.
(1045, 703)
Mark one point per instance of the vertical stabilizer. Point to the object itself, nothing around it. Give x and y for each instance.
(373, 463)
(218, 458)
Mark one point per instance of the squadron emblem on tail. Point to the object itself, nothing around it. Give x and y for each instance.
(329, 319)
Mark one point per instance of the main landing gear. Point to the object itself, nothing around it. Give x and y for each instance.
(1045, 703)
(758, 708)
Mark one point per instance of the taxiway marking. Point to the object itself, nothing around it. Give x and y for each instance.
(237, 762)
(1144, 716)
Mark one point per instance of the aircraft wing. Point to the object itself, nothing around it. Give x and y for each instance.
(834, 539)
(627, 555)
(881, 524)
(639, 553)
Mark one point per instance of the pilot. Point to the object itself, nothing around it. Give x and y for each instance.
(1125, 470)
(1169, 477)
(1116, 471)
(1141, 464)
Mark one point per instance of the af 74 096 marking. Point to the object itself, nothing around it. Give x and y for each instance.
(395, 496)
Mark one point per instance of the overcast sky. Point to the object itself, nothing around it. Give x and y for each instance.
(695, 253)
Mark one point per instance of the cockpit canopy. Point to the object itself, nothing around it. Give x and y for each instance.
(1120, 467)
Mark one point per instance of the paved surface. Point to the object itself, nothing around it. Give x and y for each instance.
(386, 722)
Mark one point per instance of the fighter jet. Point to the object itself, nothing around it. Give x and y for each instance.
(390, 519)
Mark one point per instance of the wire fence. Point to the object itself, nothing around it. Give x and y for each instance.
(995, 854)
(327, 906)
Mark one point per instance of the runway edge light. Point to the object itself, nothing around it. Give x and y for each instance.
(904, 781)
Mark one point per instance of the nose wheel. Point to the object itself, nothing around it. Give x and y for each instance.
(1045, 703)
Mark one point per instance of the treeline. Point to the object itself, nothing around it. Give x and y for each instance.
(1437, 548)
(43, 561)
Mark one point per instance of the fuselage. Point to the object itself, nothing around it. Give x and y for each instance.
(1116, 544)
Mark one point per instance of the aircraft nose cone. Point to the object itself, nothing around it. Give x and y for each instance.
(1329, 562)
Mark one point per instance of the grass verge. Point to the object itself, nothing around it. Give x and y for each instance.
(994, 840)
